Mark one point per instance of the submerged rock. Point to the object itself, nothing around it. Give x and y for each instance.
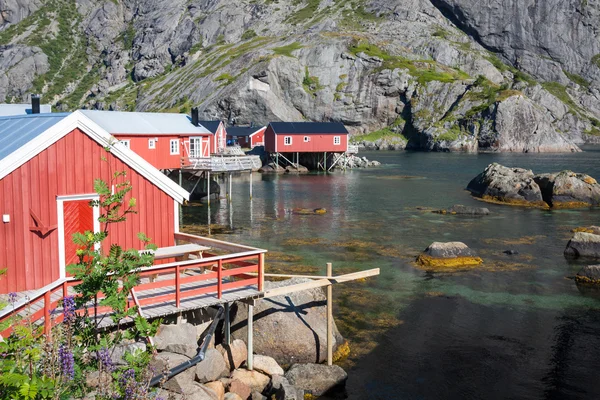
(272, 168)
(583, 244)
(296, 169)
(317, 379)
(448, 255)
(459, 209)
(308, 211)
(501, 184)
(589, 274)
(568, 189)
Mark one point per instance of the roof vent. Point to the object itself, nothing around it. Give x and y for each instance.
(195, 116)
(35, 103)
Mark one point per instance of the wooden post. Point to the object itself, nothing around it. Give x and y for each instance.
(276, 161)
(180, 184)
(329, 316)
(227, 325)
(250, 360)
(177, 287)
(47, 321)
(325, 162)
(208, 189)
(261, 272)
(219, 278)
(230, 196)
(250, 184)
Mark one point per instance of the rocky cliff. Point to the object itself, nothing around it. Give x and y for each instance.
(507, 75)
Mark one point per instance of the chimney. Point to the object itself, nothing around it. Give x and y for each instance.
(35, 103)
(195, 116)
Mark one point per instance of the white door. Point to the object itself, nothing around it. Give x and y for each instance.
(199, 147)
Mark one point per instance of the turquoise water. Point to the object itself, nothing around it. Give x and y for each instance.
(514, 328)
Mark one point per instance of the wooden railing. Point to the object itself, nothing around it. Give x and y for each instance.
(242, 266)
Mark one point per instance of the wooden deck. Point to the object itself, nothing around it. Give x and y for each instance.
(165, 289)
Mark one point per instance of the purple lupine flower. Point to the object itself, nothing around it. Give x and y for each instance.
(105, 359)
(67, 363)
(12, 297)
(69, 309)
(128, 384)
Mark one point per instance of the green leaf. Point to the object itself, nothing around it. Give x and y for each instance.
(101, 187)
(132, 202)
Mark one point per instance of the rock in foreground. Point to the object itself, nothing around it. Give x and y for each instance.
(448, 255)
(582, 244)
(501, 184)
(317, 379)
(290, 328)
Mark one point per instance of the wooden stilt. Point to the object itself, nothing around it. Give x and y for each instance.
(325, 162)
(250, 360)
(276, 161)
(329, 317)
(180, 208)
(250, 184)
(227, 325)
(230, 192)
(208, 188)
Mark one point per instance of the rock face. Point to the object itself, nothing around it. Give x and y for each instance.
(447, 255)
(267, 61)
(211, 368)
(507, 185)
(290, 328)
(586, 245)
(317, 379)
(177, 334)
(567, 189)
(459, 209)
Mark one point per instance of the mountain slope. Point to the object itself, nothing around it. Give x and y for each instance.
(440, 73)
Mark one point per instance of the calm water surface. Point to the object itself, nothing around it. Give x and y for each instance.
(515, 328)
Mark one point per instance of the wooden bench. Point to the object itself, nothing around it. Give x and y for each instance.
(180, 253)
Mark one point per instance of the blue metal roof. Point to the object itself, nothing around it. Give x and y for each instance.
(21, 109)
(302, 128)
(144, 123)
(212, 126)
(16, 131)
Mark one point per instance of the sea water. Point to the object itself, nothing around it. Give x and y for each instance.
(516, 327)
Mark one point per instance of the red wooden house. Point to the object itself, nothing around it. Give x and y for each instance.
(247, 136)
(162, 139)
(219, 134)
(48, 163)
(306, 137)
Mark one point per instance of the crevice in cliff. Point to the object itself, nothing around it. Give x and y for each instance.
(409, 132)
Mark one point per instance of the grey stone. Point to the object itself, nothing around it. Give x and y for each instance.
(290, 328)
(240, 388)
(582, 244)
(118, 352)
(165, 361)
(449, 250)
(211, 368)
(510, 185)
(283, 390)
(568, 188)
(267, 365)
(464, 210)
(232, 396)
(176, 334)
(317, 379)
(590, 273)
(185, 349)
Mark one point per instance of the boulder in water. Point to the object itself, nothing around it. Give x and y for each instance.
(271, 168)
(448, 255)
(568, 189)
(583, 244)
(296, 169)
(501, 184)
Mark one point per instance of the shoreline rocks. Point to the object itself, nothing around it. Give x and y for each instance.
(521, 187)
(448, 255)
(590, 274)
(584, 245)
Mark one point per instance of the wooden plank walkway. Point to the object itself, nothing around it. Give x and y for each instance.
(162, 309)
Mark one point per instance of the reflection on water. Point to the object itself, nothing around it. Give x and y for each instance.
(514, 328)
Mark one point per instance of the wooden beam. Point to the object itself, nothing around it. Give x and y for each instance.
(321, 282)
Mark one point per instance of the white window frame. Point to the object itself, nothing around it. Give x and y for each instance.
(286, 139)
(171, 143)
(126, 143)
(337, 140)
(60, 200)
(152, 144)
(306, 139)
